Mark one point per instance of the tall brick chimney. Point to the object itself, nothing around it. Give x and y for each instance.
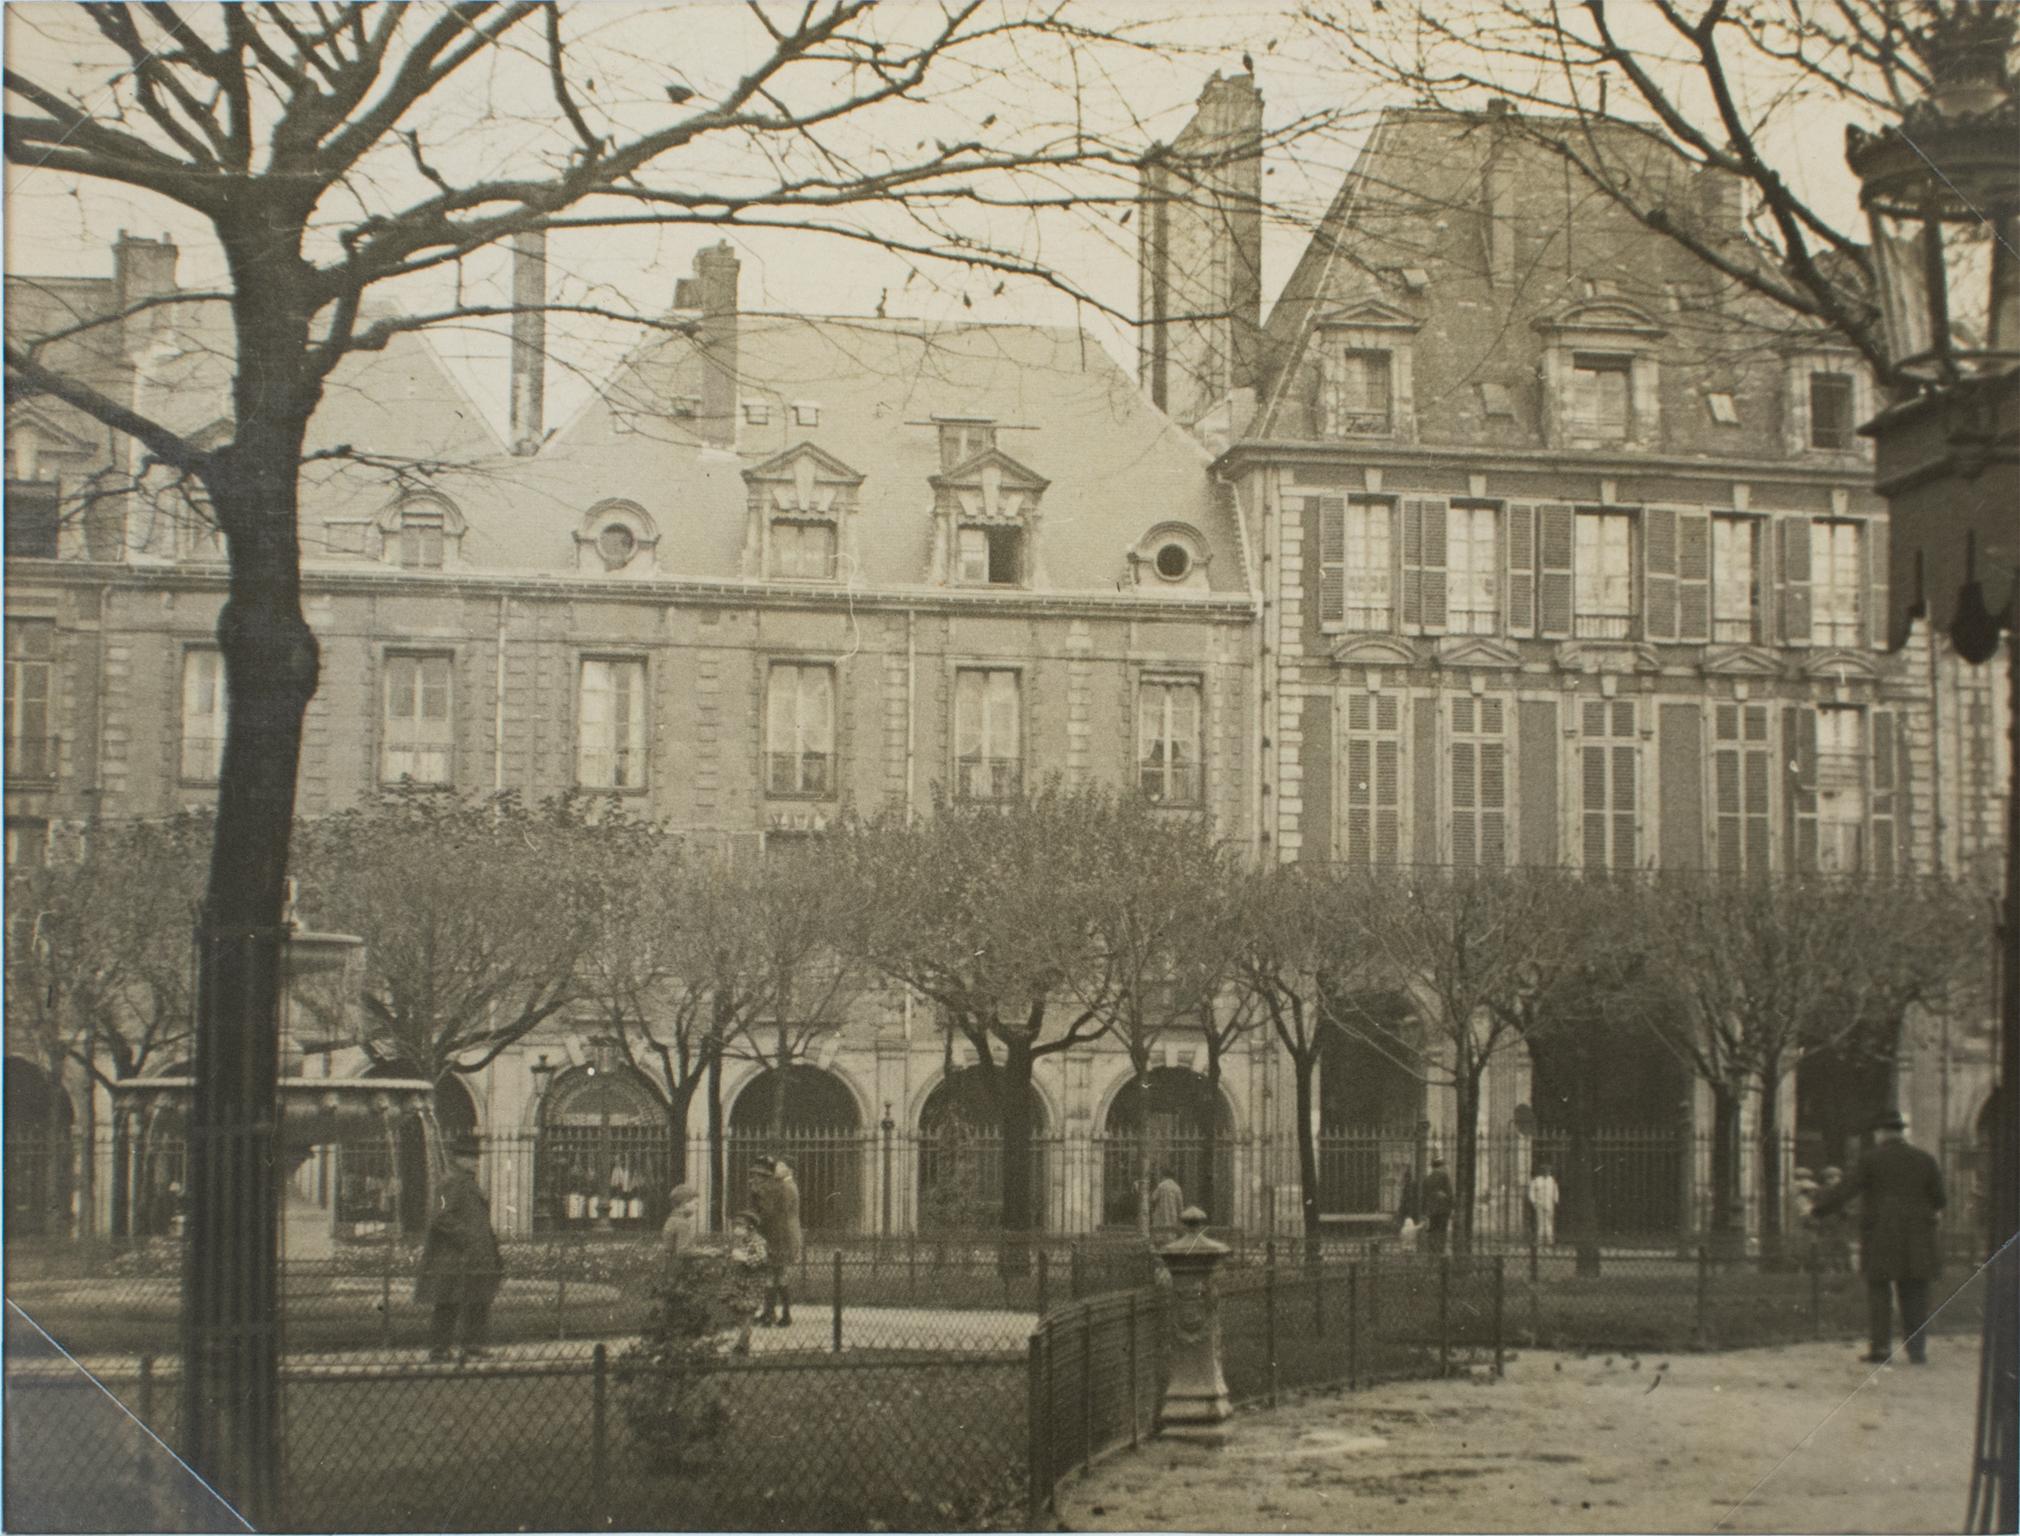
(529, 340)
(1200, 254)
(715, 278)
(142, 269)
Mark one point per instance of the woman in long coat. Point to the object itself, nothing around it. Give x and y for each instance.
(460, 1267)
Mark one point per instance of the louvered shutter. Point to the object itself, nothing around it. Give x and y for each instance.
(1873, 567)
(1554, 539)
(1659, 571)
(1388, 779)
(1626, 787)
(1332, 559)
(1795, 579)
(1886, 787)
(1594, 782)
(1729, 830)
(1757, 777)
(1360, 777)
(1465, 843)
(1374, 778)
(1521, 543)
(1799, 741)
(1493, 796)
(1693, 576)
(1424, 541)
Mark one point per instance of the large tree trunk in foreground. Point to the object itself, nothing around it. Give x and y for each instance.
(1767, 1141)
(1726, 1238)
(1019, 1211)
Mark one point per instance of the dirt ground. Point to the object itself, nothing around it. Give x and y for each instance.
(1797, 1438)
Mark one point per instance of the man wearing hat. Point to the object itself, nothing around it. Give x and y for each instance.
(460, 1267)
(1437, 1199)
(1900, 1190)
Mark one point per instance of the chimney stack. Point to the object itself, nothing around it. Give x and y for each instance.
(715, 283)
(142, 269)
(529, 340)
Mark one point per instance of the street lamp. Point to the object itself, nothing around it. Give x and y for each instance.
(606, 1055)
(1942, 195)
(543, 1177)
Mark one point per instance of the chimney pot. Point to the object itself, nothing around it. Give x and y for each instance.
(529, 340)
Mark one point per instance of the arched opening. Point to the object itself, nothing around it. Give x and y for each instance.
(961, 1154)
(1370, 1105)
(603, 1154)
(1185, 1129)
(808, 1117)
(389, 1179)
(38, 1151)
(1838, 1092)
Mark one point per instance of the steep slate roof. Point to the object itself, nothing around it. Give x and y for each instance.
(1116, 466)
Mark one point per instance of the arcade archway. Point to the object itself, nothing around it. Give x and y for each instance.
(603, 1153)
(961, 1155)
(809, 1117)
(1175, 1118)
(38, 1150)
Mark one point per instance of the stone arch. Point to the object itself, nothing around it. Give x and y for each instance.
(39, 1117)
(1191, 1131)
(960, 1162)
(813, 1117)
(603, 1151)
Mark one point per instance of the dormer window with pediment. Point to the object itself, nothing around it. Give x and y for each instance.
(1826, 393)
(986, 513)
(418, 533)
(963, 437)
(1365, 384)
(801, 508)
(618, 537)
(1601, 376)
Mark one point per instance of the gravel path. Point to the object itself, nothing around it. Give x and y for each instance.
(1798, 1438)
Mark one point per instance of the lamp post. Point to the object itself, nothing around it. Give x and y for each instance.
(1942, 195)
(605, 1056)
(543, 1077)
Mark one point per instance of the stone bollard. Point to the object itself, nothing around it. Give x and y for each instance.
(1196, 1405)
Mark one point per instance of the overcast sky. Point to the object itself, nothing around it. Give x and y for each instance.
(506, 119)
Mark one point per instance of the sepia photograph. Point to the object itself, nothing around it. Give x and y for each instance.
(1012, 765)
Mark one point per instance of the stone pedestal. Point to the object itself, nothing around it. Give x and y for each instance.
(1196, 1405)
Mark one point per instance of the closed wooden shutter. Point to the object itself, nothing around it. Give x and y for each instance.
(1873, 563)
(1424, 565)
(1554, 541)
(1373, 790)
(1799, 741)
(1886, 793)
(1659, 571)
(1742, 774)
(1693, 575)
(1611, 783)
(1795, 579)
(1521, 544)
(1332, 513)
(1479, 782)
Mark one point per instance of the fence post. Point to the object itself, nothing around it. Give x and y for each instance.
(1703, 1331)
(599, 1449)
(1816, 1293)
(1044, 1280)
(1133, 1400)
(838, 1301)
(1040, 1493)
(1270, 1315)
(1500, 1290)
(1086, 1391)
(1353, 1326)
(1444, 1314)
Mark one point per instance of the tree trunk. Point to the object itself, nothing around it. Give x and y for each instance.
(1143, 1149)
(1204, 1197)
(1018, 1214)
(1465, 1157)
(678, 1103)
(231, 1379)
(1302, 1067)
(718, 1159)
(1767, 1140)
(1726, 1238)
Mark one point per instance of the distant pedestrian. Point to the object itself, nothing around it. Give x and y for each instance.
(1167, 1204)
(1409, 1203)
(1900, 1191)
(1834, 1239)
(681, 1228)
(1543, 1196)
(1437, 1198)
(775, 1194)
(460, 1267)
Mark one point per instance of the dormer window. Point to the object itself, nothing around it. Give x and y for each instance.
(801, 503)
(986, 523)
(803, 549)
(1170, 555)
(992, 556)
(962, 437)
(616, 536)
(1364, 373)
(421, 540)
(1601, 405)
(1831, 411)
(1361, 404)
(1601, 375)
(1825, 396)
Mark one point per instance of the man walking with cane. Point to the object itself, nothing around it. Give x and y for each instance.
(1900, 1191)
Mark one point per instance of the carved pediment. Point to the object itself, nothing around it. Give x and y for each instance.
(55, 439)
(1607, 656)
(991, 487)
(1740, 661)
(1610, 315)
(1477, 651)
(804, 481)
(1376, 651)
(1835, 663)
(1368, 314)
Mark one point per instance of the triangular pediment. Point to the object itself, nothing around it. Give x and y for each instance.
(786, 466)
(1008, 473)
(1477, 651)
(1368, 314)
(804, 480)
(1840, 664)
(1599, 656)
(991, 487)
(1740, 661)
(1604, 314)
(45, 425)
(1375, 651)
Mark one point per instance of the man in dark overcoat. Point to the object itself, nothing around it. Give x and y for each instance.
(1900, 1190)
(776, 1194)
(460, 1267)
(1437, 1200)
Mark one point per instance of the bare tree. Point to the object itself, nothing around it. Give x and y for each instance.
(1732, 89)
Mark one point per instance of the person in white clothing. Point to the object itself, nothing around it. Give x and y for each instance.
(1543, 1199)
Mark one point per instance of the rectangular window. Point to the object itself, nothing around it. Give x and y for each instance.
(32, 519)
(1742, 780)
(1479, 782)
(1601, 399)
(960, 441)
(1370, 556)
(1836, 577)
(1735, 579)
(610, 725)
(1841, 790)
(803, 551)
(419, 734)
(205, 713)
(1473, 569)
(421, 541)
(1603, 574)
(988, 759)
(27, 842)
(1611, 783)
(1831, 410)
(31, 661)
(800, 729)
(991, 556)
(1363, 403)
(1371, 832)
(1167, 741)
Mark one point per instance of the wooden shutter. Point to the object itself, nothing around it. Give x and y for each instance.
(1799, 741)
(1727, 807)
(1493, 795)
(1554, 539)
(1795, 579)
(1592, 761)
(1332, 559)
(1693, 575)
(1423, 565)
(1626, 787)
(1373, 795)
(1742, 773)
(1873, 595)
(1659, 572)
(1521, 545)
(1465, 775)
(1886, 794)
